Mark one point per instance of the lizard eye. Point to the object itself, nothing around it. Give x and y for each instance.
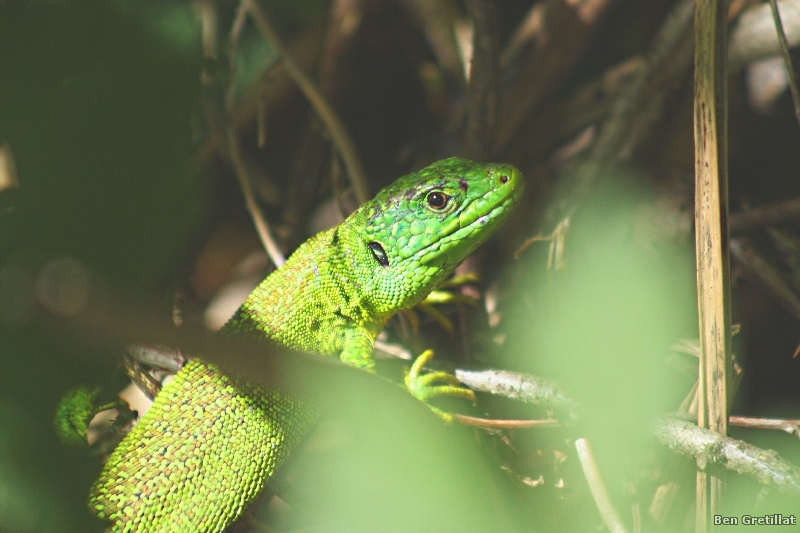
(379, 253)
(438, 200)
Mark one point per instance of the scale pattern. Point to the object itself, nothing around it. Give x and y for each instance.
(161, 479)
(209, 443)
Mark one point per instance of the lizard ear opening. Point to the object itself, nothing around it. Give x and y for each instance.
(379, 253)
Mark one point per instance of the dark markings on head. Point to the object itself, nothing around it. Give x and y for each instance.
(379, 253)
(463, 184)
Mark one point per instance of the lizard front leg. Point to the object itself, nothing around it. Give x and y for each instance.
(358, 352)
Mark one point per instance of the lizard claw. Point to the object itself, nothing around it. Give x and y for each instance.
(434, 384)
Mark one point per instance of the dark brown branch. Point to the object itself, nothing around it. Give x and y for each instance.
(482, 91)
(767, 275)
(634, 111)
(436, 18)
(565, 33)
(766, 215)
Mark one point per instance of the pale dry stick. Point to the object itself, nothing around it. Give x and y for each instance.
(8, 169)
(765, 466)
(711, 238)
(519, 386)
(712, 449)
(235, 153)
(334, 125)
(598, 487)
(488, 423)
(787, 59)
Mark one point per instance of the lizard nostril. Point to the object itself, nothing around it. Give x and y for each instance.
(503, 179)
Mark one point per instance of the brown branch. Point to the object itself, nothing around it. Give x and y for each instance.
(235, 153)
(766, 215)
(437, 18)
(768, 275)
(789, 426)
(260, 222)
(334, 125)
(634, 112)
(220, 118)
(482, 90)
(564, 35)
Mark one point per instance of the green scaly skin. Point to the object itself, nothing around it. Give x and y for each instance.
(210, 443)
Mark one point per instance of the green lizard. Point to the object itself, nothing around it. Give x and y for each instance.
(210, 443)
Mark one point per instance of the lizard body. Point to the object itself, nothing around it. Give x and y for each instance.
(210, 442)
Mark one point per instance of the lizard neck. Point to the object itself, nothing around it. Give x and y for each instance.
(320, 297)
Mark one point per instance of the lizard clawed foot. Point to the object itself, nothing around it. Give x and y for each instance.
(434, 384)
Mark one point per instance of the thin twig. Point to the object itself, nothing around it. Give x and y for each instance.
(235, 153)
(787, 59)
(262, 227)
(766, 215)
(598, 487)
(489, 423)
(768, 275)
(335, 127)
(789, 426)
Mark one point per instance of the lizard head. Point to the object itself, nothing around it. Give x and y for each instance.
(426, 223)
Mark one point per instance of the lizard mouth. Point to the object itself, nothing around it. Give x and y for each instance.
(478, 219)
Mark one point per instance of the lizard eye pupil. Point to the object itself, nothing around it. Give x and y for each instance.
(437, 200)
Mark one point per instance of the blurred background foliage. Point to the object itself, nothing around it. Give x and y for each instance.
(122, 191)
